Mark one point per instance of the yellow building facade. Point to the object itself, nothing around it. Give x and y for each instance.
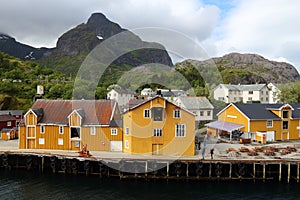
(158, 127)
(68, 125)
(281, 119)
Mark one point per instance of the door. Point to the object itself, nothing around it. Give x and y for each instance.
(270, 136)
(115, 145)
(30, 143)
(157, 149)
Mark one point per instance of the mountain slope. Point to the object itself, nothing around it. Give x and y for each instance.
(73, 46)
(10, 46)
(238, 68)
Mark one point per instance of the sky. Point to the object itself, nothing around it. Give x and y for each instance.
(266, 27)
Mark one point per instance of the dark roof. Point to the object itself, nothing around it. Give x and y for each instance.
(120, 91)
(257, 111)
(12, 112)
(95, 112)
(5, 118)
(117, 123)
(5, 130)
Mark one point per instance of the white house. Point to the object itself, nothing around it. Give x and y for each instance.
(147, 92)
(242, 93)
(274, 93)
(122, 97)
(200, 106)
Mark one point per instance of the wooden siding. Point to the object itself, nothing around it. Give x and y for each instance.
(141, 139)
(22, 137)
(75, 119)
(30, 119)
(101, 140)
(232, 114)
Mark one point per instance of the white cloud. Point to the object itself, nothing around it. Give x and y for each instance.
(268, 27)
(40, 23)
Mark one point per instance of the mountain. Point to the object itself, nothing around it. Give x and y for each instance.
(74, 45)
(10, 46)
(236, 68)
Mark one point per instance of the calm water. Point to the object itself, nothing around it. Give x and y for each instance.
(25, 185)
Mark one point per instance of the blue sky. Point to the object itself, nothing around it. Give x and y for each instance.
(266, 27)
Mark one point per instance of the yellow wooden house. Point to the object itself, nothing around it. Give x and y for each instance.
(158, 126)
(277, 121)
(70, 124)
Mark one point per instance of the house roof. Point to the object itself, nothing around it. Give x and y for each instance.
(5, 118)
(95, 112)
(257, 111)
(250, 87)
(120, 91)
(12, 112)
(225, 126)
(193, 103)
(138, 105)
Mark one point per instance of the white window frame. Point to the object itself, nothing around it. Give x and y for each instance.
(147, 113)
(180, 130)
(114, 131)
(157, 132)
(208, 113)
(41, 141)
(8, 123)
(201, 113)
(42, 129)
(269, 123)
(126, 144)
(61, 129)
(127, 131)
(93, 130)
(60, 141)
(176, 113)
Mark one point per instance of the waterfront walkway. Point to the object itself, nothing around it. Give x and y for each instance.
(220, 152)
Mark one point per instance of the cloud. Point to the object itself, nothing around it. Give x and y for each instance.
(268, 27)
(40, 23)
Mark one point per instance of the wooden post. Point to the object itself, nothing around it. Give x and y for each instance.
(279, 172)
(230, 170)
(209, 173)
(264, 172)
(168, 168)
(297, 172)
(43, 161)
(254, 171)
(289, 172)
(146, 168)
(187, 169)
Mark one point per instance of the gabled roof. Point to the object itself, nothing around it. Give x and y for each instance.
(5, 118)
(257, 111)
(249, 87)
(95, 112)
(138, 105)
(193, 103)
(12, 112)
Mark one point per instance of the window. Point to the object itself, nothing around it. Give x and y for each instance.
(267, 99)
(208, 113)
(114, 131)
(93, 130)
(285, 114)
(177, 113)
(76, 144)
(262, 92)
(61, 130)
(9, 123)
(157, 132)
(147, 113)
(126, 144)
(157, 114)
(221, 98)
(285, 125)
(267, 92)
(41, 141)
(201, 113)
(42, 129)
(60, 141)
(250, 92)
(75, 132)
(249, 98)
(180, 130)
(234, 99)
(127, 131)
(269, 123)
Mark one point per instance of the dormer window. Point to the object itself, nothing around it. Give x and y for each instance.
(285, 114)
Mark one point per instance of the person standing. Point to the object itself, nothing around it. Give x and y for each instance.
(212, 153)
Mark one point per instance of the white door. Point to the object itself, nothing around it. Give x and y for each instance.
(115, 145)
(270, 136)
